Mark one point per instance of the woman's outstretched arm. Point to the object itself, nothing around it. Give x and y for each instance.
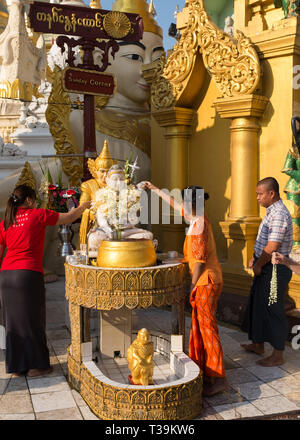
(74, 214)
(168, 199)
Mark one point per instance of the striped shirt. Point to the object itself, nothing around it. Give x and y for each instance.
(276, 226)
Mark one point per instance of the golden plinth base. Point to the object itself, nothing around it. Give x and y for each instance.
(112, 289)
(116, 402)
(127, 253)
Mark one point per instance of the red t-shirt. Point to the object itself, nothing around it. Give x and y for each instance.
(25, 239)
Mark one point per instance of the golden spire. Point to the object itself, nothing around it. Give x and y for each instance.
(95, 4)
(27, 177)
(142, 8)
(152, 9)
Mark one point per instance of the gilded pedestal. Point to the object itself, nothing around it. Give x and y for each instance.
(128, 289)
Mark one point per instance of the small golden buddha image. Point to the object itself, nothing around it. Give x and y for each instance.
(140, 359)
(98, 169)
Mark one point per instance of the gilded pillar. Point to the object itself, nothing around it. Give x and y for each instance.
(76, 330)
(177, 123)
(241, 225)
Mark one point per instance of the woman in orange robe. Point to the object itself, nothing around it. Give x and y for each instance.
(200, 253)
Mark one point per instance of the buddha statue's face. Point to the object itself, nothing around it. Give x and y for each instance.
(116, 181)
(101, 175)
(127, 66)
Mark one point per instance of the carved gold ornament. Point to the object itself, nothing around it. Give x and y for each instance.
(111, 289)
(116, 24)
(232, 62)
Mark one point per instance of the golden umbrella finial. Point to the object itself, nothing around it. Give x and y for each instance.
(95, 4)
(142, 8)
(152, 9)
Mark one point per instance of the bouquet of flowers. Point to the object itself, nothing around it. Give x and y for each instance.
(54, 195)
(117, 209)
(62, 199)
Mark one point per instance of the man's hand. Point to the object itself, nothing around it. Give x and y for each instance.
(148, 185)
(257, 269)
(251, 262)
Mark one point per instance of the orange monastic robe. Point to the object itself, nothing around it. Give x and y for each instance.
(205, 347)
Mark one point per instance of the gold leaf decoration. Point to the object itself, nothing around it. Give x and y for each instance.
(107, 289)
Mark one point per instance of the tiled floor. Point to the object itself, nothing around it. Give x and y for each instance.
(254, 391)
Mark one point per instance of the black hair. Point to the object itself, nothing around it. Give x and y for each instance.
(271, 184)
(17, 198)
(196, 195)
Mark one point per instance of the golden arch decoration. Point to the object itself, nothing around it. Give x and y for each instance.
(138, 398)
(232, 62)
(117, 282)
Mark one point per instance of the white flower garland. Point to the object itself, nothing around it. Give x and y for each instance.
(273, 286)
(118, 208)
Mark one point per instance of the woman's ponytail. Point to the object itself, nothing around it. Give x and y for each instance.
(16, 199)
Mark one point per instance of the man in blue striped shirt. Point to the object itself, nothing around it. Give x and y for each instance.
(264, 322)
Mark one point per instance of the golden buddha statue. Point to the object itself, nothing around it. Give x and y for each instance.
(140, 359)
(98, 169)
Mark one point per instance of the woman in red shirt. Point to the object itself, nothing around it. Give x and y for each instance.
(22, 291)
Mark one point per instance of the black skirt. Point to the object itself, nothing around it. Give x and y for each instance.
(262, 322)
(22, 295)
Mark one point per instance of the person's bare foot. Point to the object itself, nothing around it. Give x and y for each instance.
(270, 361)
(219, 385)
(254, 348)
(18, 374)
(34, 372)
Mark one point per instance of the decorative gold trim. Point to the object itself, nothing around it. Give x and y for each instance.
(75, 321)
(117, 24)
(177, 402)
(232, 63)
(58, 115)
(107, 289)
(17, 89)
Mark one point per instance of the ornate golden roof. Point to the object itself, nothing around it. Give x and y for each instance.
(142, 8)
